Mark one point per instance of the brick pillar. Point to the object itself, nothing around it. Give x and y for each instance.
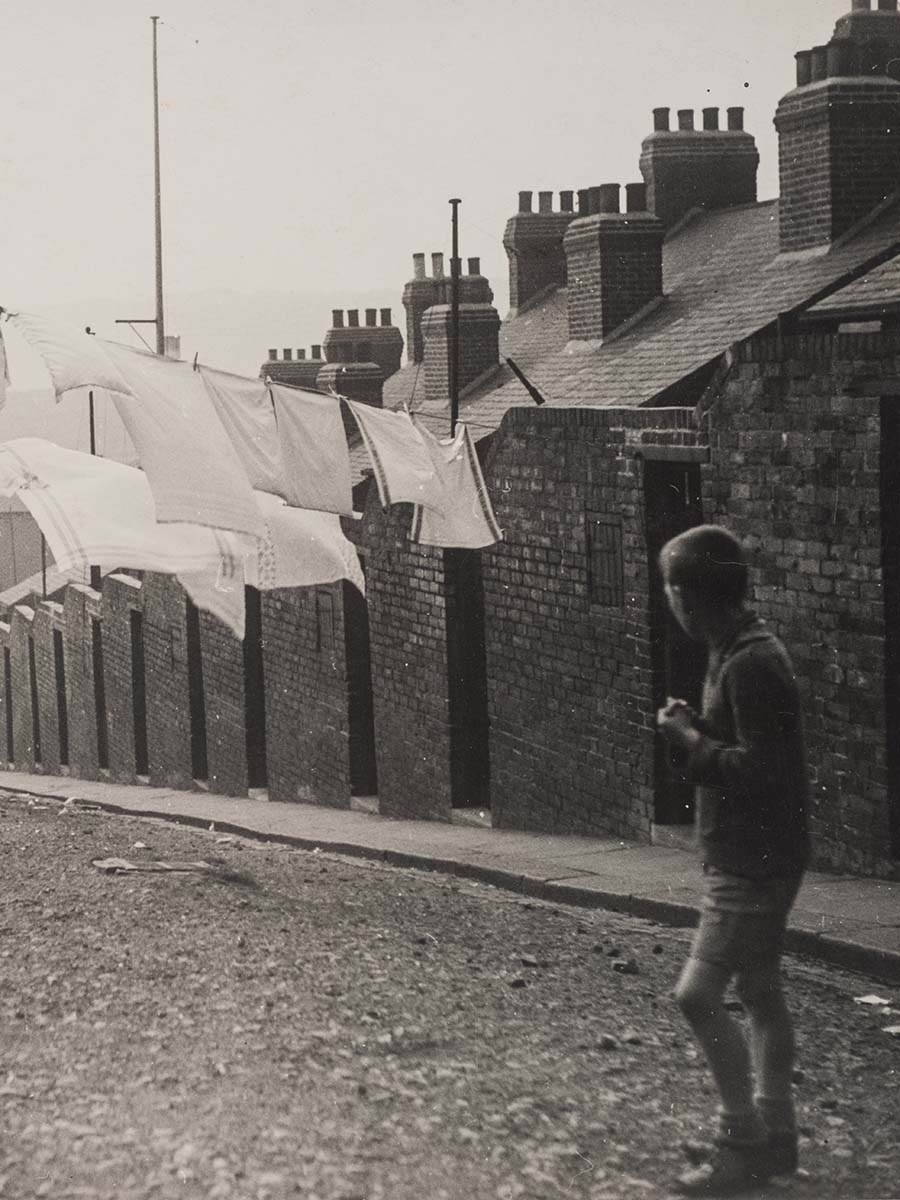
(168, 697)
(81, 607)
(21, 626)
(48, 618)
(7, 747)
(122, 596)
(534, 246)
(479, 346)
(687, 168)
(615, 264)
(226, 726)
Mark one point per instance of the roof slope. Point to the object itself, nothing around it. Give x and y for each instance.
(724, 280)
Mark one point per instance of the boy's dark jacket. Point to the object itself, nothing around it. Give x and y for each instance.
(750, 763)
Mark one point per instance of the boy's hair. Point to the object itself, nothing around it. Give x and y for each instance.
(708, 559)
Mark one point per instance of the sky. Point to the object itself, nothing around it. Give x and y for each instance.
(313, 147)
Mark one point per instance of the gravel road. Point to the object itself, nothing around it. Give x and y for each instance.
(273, 1023)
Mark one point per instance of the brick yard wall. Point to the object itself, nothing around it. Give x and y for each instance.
(168, 704)
(48, 619)
(795, 470)
(569, 682)
(21, 624)
(223, 687)
(405, 588)
(307, 732)
(81, 607)
(122, 595)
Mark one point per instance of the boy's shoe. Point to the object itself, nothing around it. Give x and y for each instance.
(781, 1148)
(731, 1170)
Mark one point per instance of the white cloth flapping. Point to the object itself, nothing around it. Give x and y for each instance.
(315, 458)
(460, 514)
(402, 464)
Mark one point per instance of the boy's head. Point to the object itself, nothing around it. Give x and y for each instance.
(705, 573)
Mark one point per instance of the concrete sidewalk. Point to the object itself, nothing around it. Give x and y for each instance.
(841, 919)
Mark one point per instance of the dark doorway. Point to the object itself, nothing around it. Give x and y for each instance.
(35, 703)
(139, 694)
(890, 556)
(196, 697)
(361, 710)
(62, 708)
(254, 690)
(99, 695)
(672, 500)
(8, 697)
(467, 676)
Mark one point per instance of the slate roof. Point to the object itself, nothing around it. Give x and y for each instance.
(723, 280)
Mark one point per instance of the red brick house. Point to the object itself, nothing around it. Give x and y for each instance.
(703, 357)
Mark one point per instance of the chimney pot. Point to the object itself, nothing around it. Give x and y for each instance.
(584, 201)
(474, 265)
(710, 118)
(525, 201)
(887, 5)
(371, 316)
(301, 355)
(804, 67)
(418, 266)
(545, 202)
(661, 120)
(385, 316)
(565, 201)
(337, 318)
(273, 356)
(437, 266)
(353, 318)
(609, 197)
(316, 352)
(862, 5)
(685, 119)
(593, 200)
(288, 355)
(636, 197)
(736, 119)
(819, 63)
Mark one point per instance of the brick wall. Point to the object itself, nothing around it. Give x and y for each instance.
(569, 682)
(537, 262)
(168, 704)
(405, 589)
(48, 619)
(307, 734)
(615, 269)
(21, 624)
(81, 607)
(122, 595)
(223, 687)
(7, 697)
(479, 346)
(795, 471)
(687, 168)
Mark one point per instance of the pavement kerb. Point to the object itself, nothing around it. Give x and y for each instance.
(871, 961)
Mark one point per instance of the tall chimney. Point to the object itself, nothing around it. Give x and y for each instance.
(839, 129)
(369, 343)
(687, 167)
(614, 264)
(534, 246)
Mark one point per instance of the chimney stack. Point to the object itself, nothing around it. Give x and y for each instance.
(614, 263)
(534, 246)
(422, 293)
(688, 168)
(370, 343)
(839, 129)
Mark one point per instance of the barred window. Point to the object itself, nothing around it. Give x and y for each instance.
(606, 573)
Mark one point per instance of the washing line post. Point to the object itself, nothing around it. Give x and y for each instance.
(95, 571)
(454, 319)
(160, 322)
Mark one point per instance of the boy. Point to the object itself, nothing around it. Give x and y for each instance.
(747, 757)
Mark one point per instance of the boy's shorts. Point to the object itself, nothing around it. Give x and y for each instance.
(743, 921)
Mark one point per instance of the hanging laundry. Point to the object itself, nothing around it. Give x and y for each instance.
(94, 511)
(400, 458)
(315, 458)
(74, 359)
(245, 410)
(461, 515)
(302, 548)
(194, 471)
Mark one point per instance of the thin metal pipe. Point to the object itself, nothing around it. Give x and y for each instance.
(160, 318)
(454, 320)
(95, 571)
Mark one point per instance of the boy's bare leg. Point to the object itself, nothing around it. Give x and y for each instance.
(772, 1048)
(700, 993)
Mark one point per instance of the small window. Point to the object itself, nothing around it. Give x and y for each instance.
(606, 573)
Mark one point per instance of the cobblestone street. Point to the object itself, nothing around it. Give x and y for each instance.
(280, 1023)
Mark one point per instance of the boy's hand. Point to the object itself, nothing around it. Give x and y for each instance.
(676, 724)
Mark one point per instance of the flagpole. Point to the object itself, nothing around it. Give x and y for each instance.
(160, 321)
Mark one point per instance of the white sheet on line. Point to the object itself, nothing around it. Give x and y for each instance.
(401, 461)
(461, 515)
(245, 409)
(195, 472)
(302, 548)
(315, 458)
(74, 358)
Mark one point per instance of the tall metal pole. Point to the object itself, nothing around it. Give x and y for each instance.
(454, 320)
(95, 571)
(160, 319)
